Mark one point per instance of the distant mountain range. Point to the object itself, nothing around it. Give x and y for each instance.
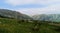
(47, 17)
(5, 13)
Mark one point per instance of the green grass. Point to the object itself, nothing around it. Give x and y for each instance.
(12, 26)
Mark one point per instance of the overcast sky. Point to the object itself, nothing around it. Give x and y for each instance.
(32, 7)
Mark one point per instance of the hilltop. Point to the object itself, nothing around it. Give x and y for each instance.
(5, 13)
(47, 17)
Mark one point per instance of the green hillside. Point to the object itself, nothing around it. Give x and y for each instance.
(21, 26)
(15, 22)
(5, 13)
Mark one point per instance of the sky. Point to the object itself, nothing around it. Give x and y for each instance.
(32, 7)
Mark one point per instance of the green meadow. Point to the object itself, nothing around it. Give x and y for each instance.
(20, 26)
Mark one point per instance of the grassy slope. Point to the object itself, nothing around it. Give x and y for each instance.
(12, 26)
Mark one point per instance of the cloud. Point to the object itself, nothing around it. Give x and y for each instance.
(23, 2)
(18, 2)
(53, 6)
(53, 9)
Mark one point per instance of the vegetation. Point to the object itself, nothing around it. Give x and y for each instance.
(15, 22)
(5, 13)
(21, 26)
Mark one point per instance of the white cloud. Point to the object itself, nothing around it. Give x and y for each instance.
(22, 2)
(53, 9)
(53, 6)
(19, 2)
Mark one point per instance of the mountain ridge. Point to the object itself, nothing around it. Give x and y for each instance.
(13, 14)
(47, 17)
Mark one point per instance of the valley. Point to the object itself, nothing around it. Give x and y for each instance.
(15, 22)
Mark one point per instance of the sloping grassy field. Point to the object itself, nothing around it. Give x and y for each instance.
(13, 26)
